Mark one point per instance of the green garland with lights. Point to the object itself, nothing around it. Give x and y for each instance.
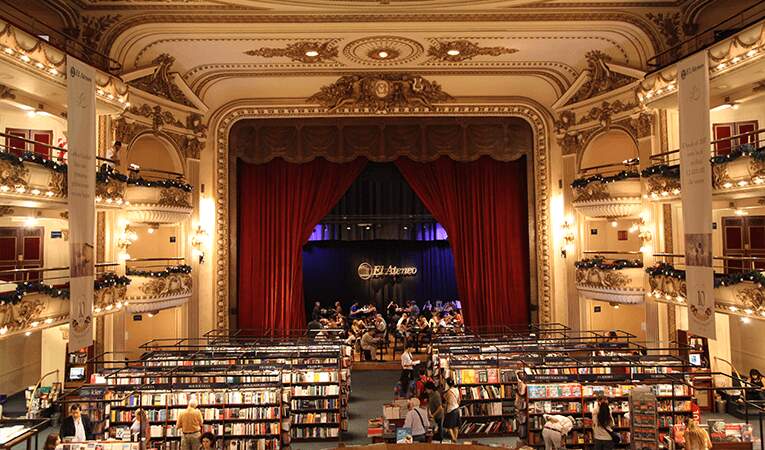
(601, 263)
(32, 157)
(33, 287)
(182, 268)
(721, 279)
(107, 172)
(623, 175)
(739, 152)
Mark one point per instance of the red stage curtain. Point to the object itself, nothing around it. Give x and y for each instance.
(483, 207)
(279, 204)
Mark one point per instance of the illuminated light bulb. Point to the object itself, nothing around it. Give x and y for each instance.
(740, 212)
(97, 310)
(721, 66)
(48, 320)
(649, 94)
(34, 324)
(127, 203)
(614, 223)
(452, 52)
(39, 65)
(664, 193)
(25, 58)
(659, 91)
(35, 192)
(654, 196)
(53, 71)
(746, 320)
(49, 194)
(748, 311)
(4, 188)
(727, 185)
(150, 230)
(735, 60)
(127, 105)
(633, 228)
(382, 54)
(119, 304)
(109, 307)
(150, 314)
(110, 96)
(126, 303)
(119, 201)
(109, 200)
(733, 308)
(3, 330)
(100, 91)
(98, 198)
(758, 180)
(762, 313)
(645, 195)
(751, 52)
(743, 183)
(675, 191)
(28, 333)
(616, 306)
(312, 53)
(8, 50)
(30, 222)
(21, 189)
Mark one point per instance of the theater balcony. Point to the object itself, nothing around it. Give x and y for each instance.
(157, 283)
(613, 277)
(739, 284)
(738, 169)
(34, 298)
(157, 196)
(608, 191)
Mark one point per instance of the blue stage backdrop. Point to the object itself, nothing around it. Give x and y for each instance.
(330, 272)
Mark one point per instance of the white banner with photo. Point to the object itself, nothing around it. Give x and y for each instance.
(81, 190)
(696, 186)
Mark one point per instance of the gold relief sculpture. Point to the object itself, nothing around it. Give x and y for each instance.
(6, 211)
(756, 168)
(159, 83)
(462, 50)
(58, 184)
(720, 177)
(109, 296)
(127, 131)
(380, 92)
(604, 113)
(601, 77)
(6, 92)
(111, 189)
(21, 315)
(173, 284)
(643, 124)
(599, 278)
(752, 297)
(175, 197)
(658, 184)
(566, 119)
(591, 192)
(159, 117)
(307, 52)
(13, 175)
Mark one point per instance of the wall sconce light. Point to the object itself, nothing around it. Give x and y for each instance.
(644, 233)
(198, 243)
(125, 240)
(567, 236)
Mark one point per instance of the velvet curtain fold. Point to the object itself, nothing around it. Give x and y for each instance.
(483, 207)
(279, 204)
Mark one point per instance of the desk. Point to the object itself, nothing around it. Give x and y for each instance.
(32, 428)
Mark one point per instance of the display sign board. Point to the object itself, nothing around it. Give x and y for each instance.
(81, 191)
(696, 187)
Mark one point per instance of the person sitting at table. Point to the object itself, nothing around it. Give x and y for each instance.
(433, 322)
(338, 308)
(417, 420)
(77, 425)
(413, 309)
(355, 310)
(443, 323)
(427, 307)
(756, 393)
(380, 324)
(458, 320)
(369, 343)
(402, 327)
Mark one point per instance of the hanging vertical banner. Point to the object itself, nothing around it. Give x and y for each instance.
(696, 186)
(81, 190)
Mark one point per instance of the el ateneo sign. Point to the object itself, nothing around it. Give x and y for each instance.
(367, 271)
(696, 187)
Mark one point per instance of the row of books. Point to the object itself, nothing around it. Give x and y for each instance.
(486, 392)
(491, 427)
(163, 415)
(260, 396)
(575, 390)
(230, 444)
(315, 432)
(309, 377)
(482, 376)
(332, 389)
(482, 409)
(308, 418)
(236, 429)
(555, 407)
(326, 403)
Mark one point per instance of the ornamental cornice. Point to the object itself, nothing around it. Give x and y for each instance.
(535, 114)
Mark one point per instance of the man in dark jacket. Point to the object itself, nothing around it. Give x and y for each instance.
(77, 426)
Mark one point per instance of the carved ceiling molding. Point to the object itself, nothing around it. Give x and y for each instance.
(90, 29)
(670, 26)
(463, 50)
(6, 92)
(188, 146)
(535, 114)
(383, 92)
(641, 23)
(398, 50)
(600, 79)
(160, 83)
(306, 52)
(158, 116)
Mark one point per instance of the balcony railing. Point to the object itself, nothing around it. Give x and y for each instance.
(738, 162)
(616, 278)
(609, 190)
(718, 32)
(157, 283)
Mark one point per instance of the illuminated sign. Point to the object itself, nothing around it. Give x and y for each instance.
(367, 271)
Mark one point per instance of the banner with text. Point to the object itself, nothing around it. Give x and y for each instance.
(696, 186)
(81, 188)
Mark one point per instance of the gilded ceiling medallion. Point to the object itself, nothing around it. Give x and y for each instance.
(379, 50)
(380, 92)
(462, 50)
(307, 52)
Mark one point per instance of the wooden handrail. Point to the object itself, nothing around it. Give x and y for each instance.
(721, 258)
(52, 269)
(173, 258)
(52, 147)
(611, 252)
(730, 138)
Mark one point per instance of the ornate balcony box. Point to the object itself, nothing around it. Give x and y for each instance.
(156, 290)
(608, 197)
(31, 177)
(32, 306)
(158, 204)
(619, 281)
(740, 294)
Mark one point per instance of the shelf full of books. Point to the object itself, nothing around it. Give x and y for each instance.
(577, 400)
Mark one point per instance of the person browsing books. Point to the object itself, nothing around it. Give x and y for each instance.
(602, 425)
(555, 430)
(696, 438)
(452, 417)
(435, 409)
(417, 420)
(189, 423)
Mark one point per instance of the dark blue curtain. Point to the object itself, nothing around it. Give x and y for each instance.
(330, 272)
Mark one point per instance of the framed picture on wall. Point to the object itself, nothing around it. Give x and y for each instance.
(622, 235)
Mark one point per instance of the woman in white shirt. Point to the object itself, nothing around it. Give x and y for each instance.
(417, 420)
(452, 418)
(555, 430)
(602, 425)
(407, 364)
